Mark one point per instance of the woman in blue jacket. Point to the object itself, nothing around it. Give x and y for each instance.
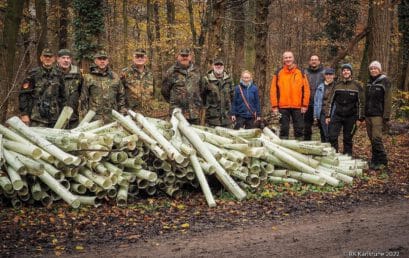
(320, 101)
(246, 102)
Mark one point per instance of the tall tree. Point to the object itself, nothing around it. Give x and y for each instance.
(249, 39)
(14, 11)
(63, 28)
(170, 18)
(88, 28)
(214, 42)
(159, 56)
(238, 32)
(125, 21)
(260, 67)
(149, 29)
(403, 10)
(193, 30)
(342, 19)
(41, 31)
(379, 24)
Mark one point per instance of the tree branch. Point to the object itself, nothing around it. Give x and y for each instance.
(342, 53)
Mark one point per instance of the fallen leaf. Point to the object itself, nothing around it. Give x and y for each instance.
(185, 225)
(79, 247)
(181, 206)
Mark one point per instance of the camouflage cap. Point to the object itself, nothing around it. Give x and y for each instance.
(184, 51)
(140, 51)
(218, 61)
(100, 54)
(47, 52)
(64, 52)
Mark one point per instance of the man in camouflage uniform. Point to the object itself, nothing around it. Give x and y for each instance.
(217, 94)
(181, 87)
(42, 96)
(72, 82)
(102, 89)
(138, 82)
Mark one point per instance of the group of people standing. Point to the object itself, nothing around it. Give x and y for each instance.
(313, 95)
(303, 97)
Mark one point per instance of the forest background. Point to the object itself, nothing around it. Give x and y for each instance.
(246, 34)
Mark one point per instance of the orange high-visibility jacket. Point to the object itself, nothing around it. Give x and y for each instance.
(289, 89)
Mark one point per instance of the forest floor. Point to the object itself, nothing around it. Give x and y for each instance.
(369, 218)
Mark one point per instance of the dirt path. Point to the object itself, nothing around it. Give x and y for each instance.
(382, 230)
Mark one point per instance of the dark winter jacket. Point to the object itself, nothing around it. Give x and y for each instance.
(42, 95)
(239, 108)
(378, 97)
(346, 99)
(217, 95)
(315, 78)
(181, 88)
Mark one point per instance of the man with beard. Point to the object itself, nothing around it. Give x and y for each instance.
(181, 86)
(72, 77)
(138, 82)
(217, 95)
(42, 95)
(102, 90)
(315, 75)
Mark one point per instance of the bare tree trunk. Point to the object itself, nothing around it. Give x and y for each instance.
(379, 24)
(343, 52)
(125, 21)
(149, 28)
(260, 67)
(53, 24)
(159, 59)
(204, 29)
(41, 14)
(12, 21)
(238, 33)
(215, 44)
(170, 17)
(63, 28)
(193, 30)
(406, 82)
(249, 55)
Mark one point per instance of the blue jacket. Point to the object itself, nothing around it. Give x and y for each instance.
(239, 108)
(318, 99)
(321, 98)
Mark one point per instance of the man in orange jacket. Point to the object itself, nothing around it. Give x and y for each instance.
(289, 96)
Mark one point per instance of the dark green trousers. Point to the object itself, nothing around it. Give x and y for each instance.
(374, 126)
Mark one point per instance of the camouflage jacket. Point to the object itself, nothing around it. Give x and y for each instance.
(217, 94)
(181, 88)
(102, 91)
(73, 83)
(42, 95)
(138, 87)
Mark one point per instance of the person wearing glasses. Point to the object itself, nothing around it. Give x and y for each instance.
(138, 82)
(181, 86)
(217, 95)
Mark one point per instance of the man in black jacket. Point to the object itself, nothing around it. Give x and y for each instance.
(377, 112)
(315, 75)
